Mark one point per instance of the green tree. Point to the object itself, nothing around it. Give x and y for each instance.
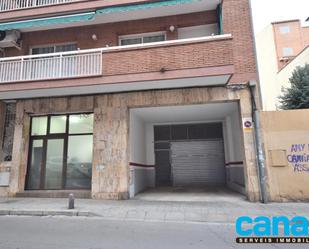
(297, 95)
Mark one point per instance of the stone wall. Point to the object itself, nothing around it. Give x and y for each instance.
(110, 179)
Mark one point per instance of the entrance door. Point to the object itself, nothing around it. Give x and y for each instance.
(54, 169)
(60, 155)
(198, 163)
(163, 168)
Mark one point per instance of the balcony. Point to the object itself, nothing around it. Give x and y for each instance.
(203, 60)
(51, 66)
(9, 5)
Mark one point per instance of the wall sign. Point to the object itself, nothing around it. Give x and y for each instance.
(299, 157)
(247, 124)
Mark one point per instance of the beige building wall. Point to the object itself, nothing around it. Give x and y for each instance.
(268, 67)
(275, 72)
(286, 73)
(286, 140)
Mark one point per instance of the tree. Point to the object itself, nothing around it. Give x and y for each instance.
(297, 95)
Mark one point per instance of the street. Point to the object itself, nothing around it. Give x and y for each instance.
(97, 233)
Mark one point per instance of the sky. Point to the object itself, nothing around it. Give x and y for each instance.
(267, 11)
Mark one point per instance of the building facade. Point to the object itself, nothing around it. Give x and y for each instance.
(108, 98)
(281, 47)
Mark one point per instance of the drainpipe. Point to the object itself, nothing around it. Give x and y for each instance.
(259, 145)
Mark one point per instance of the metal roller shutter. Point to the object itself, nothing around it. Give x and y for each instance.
(198, 163)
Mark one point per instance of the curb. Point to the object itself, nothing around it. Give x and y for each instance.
(70, 213)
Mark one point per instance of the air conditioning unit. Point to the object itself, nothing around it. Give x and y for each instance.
(9, 39)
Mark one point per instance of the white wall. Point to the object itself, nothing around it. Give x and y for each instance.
(271, 79)
(141, 177)
(233, 152)
(268, 68)
(286, 73)
(137, 140)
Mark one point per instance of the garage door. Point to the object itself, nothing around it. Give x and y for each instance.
(198, 163)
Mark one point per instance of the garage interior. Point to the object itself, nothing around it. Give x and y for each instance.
(186, 153)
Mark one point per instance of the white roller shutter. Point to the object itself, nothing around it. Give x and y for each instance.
(198, 163)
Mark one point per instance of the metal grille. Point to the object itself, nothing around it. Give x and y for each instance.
(6, 5)
(9, 127)
(198, 163)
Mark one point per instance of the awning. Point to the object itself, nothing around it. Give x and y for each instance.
(143, 6)
(48, 21)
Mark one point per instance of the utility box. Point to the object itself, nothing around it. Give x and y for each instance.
(278, 158)
(4, 179)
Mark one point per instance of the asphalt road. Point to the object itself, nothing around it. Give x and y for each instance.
(95, 233)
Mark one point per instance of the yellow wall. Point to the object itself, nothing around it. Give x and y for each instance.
(286, 135)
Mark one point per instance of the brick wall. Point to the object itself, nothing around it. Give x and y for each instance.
(108, 33)
(292, 39)
(306, 36)
(237, 21)
(203, 54)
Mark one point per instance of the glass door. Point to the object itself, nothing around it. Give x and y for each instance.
(35, 165)
(60, 154)
(54, 164)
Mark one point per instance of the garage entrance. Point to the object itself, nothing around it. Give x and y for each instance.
(184, 150)
(189, 155)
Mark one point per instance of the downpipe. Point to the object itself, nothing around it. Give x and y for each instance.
(259, 145)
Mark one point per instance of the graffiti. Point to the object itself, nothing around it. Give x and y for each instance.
(299, 157)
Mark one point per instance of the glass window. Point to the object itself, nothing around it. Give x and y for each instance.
(54, 48)
(39, 126)
(35, 165)
(154, 38)
(287, 51)
(140, 39)
(54, 164)
(65, 48)
(43, 50)
(58, 124)
(81, 123)
(61, 157)
(8, 134)
(131, 41)
(284, 29)
(79, 164)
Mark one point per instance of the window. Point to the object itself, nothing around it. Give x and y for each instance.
(287, 52)
(284, 29)
(141, 38)
(53, 48)
(8, 135)
(60, 154)
(47, 67)
(198, 31)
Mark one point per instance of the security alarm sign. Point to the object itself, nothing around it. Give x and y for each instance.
(247, 124)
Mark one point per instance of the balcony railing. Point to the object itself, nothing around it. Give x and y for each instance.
(120, 60)
(7, 5)
(82, 63)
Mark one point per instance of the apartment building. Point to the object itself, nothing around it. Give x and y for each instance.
(281, 48)
(107, 98)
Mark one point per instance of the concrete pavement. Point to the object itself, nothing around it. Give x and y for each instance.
(224, 211)
(95, 233)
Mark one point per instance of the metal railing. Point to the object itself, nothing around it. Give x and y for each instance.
(81, 63)
(7, 5)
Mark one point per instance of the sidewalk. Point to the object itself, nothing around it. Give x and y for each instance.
(138, 210)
